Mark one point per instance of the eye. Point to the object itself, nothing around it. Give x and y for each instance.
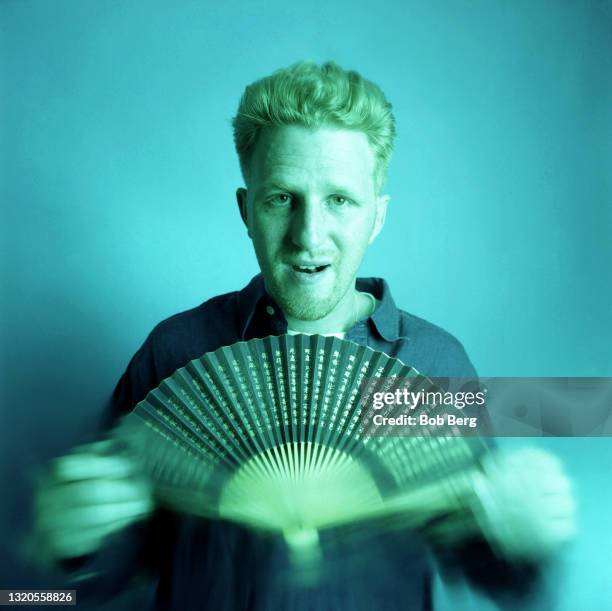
(339, 200)
(279, 199)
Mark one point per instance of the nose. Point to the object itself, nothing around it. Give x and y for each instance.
(308, 226)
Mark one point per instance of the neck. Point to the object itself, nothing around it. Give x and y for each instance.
(354, 306)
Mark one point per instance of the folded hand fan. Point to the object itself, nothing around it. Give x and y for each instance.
(277, 434)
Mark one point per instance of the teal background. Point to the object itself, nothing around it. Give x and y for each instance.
(118, 175)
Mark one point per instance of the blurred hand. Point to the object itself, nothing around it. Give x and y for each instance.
(87, 495)
(525, 506)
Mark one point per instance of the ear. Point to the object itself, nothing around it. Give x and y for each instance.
(381, 215)
(241, 200)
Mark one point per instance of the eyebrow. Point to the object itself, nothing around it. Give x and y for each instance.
(275, 184)
(330, 187)
(335, 188)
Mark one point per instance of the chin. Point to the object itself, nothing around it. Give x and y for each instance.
(305, 310)
(302, 307)
(308, 312)
(304, 303)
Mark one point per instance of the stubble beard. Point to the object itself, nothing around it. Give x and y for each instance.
(302, 303)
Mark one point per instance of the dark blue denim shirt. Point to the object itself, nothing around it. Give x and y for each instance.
(198, 564)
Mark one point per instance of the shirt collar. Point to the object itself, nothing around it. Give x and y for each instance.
(386, 317)
(248, 300)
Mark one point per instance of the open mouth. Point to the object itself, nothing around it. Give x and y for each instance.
(309, 269)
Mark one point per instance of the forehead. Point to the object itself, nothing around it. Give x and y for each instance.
(294, 153)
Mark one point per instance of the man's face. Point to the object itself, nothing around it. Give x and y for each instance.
(311, 209)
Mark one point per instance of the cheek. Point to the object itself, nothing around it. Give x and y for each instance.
(267, 234)
(355, 233)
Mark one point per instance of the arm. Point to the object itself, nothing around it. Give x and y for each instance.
(519, 514)
(90, 517)
(94, 511)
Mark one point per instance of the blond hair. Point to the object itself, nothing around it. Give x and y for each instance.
(313, 96)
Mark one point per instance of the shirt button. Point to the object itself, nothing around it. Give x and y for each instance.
(270, 310)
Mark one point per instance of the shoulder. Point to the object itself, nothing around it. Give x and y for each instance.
(187, 335)
(219, 311)
(172, 344)
(430, 349)
(420, 330)
(438, 352)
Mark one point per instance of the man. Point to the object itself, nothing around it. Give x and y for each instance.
(314, 143)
